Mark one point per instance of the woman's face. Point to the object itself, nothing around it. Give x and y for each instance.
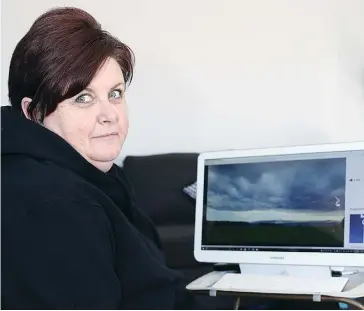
(95, 122)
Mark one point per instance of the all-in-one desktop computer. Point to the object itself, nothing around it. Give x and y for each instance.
(296, 212)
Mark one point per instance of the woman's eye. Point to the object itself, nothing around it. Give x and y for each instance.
(85, 98)
(115, 94)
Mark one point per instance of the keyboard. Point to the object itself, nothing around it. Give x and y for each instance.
(279, 284)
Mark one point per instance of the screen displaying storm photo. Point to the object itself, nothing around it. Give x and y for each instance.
(297, 203)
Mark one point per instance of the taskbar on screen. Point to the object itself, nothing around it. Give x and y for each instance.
(271, 249)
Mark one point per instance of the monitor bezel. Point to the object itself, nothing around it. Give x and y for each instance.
(268, 257)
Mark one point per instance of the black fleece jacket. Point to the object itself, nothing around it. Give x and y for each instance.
(72, 237)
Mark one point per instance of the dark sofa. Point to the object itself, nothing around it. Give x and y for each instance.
(158, 182)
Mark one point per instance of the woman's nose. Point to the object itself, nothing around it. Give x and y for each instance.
(108, 113)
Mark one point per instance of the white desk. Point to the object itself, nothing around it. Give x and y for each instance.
(352, 294)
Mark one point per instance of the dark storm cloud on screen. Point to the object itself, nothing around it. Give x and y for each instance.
(289, 191)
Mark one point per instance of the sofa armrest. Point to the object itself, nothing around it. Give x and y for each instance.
(158, 182)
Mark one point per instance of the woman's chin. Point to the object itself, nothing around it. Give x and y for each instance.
(105, 155)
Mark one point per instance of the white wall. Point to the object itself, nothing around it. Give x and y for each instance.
(217, 74)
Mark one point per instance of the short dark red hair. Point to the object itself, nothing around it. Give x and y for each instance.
(58, 57)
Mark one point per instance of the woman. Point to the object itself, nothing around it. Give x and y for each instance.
(72, 237)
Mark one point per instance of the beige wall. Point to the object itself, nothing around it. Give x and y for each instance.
(231, 73)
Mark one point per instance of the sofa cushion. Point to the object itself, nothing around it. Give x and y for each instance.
(177, 243)
(157, 182)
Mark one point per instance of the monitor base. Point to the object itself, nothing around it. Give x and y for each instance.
(287, 270)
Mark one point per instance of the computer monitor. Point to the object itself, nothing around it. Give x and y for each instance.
(301, 205)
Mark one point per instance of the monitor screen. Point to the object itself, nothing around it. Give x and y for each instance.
(290, 203)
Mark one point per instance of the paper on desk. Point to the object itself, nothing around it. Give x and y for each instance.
(355, 292)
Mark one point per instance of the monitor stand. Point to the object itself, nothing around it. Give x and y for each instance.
(286, 270)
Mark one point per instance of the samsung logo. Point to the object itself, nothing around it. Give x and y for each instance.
(277, 258)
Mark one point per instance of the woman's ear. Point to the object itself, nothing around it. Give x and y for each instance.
(24, 106)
